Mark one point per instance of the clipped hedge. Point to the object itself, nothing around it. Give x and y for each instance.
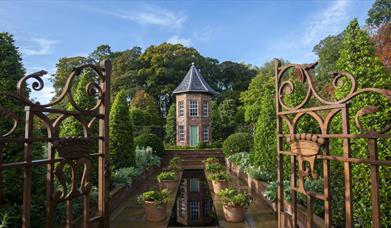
(238, 142)
(152, 140)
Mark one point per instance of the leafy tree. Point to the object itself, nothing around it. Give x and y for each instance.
(258, 88)
(357, 57)
(234, 76)
(383, 44)
(163, 67)
(124, 74)
(71, 126)
(225, 123)
(380, 13)
(102, 52)
(170, 126)
(122, 148)
(143, 101)
(64, 68)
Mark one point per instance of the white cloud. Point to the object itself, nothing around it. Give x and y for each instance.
(330, 21)
(178, 40)
(152, 15)
(39, 46)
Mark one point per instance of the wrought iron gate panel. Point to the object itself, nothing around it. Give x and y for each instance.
(309, 147)
(73, 152)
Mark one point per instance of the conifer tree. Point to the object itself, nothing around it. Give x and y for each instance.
(122, 149)
(170, 126)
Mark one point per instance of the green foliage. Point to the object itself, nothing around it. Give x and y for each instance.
(214, 168)
(5, 219)
(219, 176)
(166, 176)
(241, 159)
(159, 197)
(145, 158)
(232, 197)
(64, 68)
(261, 85)
(71, 127)
(263, 153)
(259, 173)
(150, 140)
(312, 185)
(142, 100)
(238, 142)
(121, 135)
(380, 13)
(176, 161)
(357, 57)
(170, 127)
(210, 160)
(124, 74)
(124, 176)
(225, 118)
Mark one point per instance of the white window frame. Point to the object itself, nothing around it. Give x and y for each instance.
(205, 133)
(181, 111)
(193, 108)
(205, 109)
(181, 133)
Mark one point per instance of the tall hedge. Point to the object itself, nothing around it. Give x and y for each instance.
(170, 127)
(357, 57)
(122, 149)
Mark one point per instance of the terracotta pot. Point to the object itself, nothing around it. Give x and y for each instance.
(233, 214)
(218, 185)
(169, 184)
(153, 212)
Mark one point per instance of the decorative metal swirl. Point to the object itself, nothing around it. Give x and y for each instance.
(5, 113)
(302, 73)
(92, 88)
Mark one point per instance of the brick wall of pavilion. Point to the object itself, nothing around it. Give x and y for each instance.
(186, 120)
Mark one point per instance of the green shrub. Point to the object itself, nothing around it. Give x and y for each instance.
(124, 176)
(210, 160)
(217, 144)
(259, 174)
(159, 197)
(241, 159)
(214, 168)
(314, 185)
(169, 175)
(220, 176)
(232, 197)
(177, 161)
(151, 140)
(145, 158)
(237, 142)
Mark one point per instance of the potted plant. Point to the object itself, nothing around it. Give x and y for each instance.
(219, 181)
(155, 204)
(214, 168)
(176, 161)
(209, 160)
(235, 204)
(167, 180)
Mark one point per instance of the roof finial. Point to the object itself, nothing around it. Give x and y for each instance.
(192, 64)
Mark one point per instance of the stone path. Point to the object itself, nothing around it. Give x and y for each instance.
(131, 214)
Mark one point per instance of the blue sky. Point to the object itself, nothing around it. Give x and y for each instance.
(243, 31)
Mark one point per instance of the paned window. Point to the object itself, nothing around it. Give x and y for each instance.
(193, 108)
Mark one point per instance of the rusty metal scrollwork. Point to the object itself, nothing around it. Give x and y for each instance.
(306, 148)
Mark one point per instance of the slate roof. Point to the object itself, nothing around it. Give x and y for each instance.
(194, 82)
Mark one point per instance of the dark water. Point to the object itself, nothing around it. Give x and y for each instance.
(193, 203)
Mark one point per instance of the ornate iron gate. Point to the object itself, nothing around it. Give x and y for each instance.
(66, 156)
(304, 152)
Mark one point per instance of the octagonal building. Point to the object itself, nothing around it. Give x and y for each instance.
(193, 109)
